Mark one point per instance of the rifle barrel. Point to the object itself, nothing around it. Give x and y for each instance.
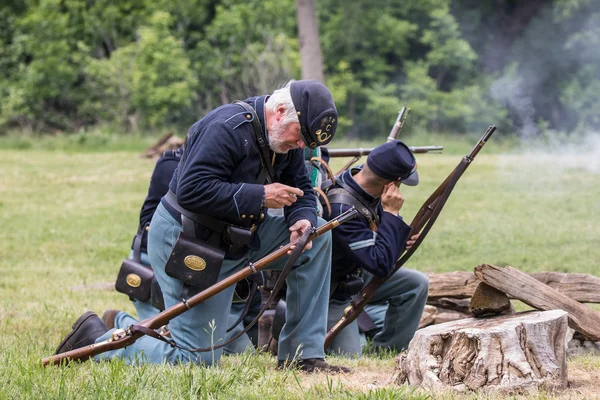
(398, 124)
(358, 152)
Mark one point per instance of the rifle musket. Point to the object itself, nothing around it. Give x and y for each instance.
(422, 224)
(123, 338)
(360, 151)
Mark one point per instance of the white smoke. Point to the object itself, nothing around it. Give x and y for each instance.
(559, 155)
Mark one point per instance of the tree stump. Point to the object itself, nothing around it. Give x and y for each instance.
(510, 353)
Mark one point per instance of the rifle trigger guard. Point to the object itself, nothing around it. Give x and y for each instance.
(118, 334)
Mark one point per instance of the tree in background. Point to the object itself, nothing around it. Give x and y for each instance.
(308, 38)
(148, 65)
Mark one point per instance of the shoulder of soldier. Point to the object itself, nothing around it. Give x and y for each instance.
(337, 209)
(233, 116)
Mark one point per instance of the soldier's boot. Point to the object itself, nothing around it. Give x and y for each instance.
(86, 330)
(109, 318)
(313, 365)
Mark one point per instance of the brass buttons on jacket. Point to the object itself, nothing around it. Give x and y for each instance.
(243, 216)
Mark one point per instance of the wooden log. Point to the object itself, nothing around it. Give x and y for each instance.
(509, 353)
(443, 315)
(488, 301)
(458, 284)
(541, 296)
(428, 316)
(584, 288)
(437, 315)
(460, 305)
(166, 142)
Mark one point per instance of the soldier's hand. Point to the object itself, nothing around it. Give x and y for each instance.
(391, 198)
(411, 241)
(296, 232)
(278, 195)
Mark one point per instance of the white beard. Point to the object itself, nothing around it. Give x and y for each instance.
(276, 143)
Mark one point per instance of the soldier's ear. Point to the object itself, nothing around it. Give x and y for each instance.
(279, 112)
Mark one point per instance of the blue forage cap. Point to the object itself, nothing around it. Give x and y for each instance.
(394, 161)
(316, 112)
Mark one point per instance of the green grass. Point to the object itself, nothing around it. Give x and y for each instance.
(67, 217)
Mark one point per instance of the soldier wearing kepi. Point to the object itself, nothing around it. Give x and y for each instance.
(369, 246)
(151, 302)
(239, 160)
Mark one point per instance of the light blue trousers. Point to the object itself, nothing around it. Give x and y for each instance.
(396, 309)
(205, 325)
(145, 310)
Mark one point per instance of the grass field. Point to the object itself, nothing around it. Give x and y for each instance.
(68, 214)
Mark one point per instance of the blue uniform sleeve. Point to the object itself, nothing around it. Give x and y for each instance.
(209, 163)
(376, 252)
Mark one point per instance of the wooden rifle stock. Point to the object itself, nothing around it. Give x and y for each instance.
(422, 223)
(122, 337)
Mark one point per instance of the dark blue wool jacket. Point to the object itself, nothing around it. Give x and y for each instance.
(221, 164)
(159, 185)
(355, 245)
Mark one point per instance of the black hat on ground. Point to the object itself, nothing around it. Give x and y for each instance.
(394, 161)
(316, 112)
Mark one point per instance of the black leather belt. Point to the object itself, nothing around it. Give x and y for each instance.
(202, 219)
(225, 231)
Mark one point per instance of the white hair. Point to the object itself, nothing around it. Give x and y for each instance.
(283, 97)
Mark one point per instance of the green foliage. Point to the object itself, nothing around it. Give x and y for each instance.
(162, 81)
(135, 65)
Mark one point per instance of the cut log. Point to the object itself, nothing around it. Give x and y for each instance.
(509, 353)
(541, 296)
(443, 315)
(458, 284)
(428, 316)
(166, 142)
(460, 305)
(488, 301)
(584, 288)
(437, 315)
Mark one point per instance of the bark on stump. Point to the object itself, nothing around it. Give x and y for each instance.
(509, 353)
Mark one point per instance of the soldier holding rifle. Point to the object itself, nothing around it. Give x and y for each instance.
(239, 160)
(369, 246)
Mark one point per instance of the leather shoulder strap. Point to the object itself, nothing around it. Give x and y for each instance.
(344, 194)
(263, 146)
